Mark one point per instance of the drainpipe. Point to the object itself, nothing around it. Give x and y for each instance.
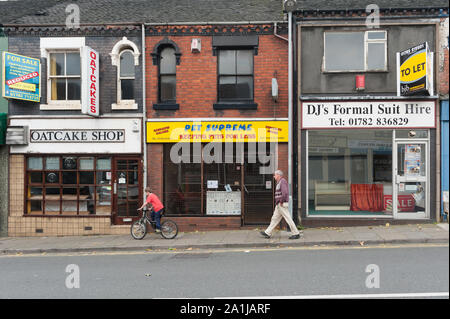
(290, 111)
(144, 109)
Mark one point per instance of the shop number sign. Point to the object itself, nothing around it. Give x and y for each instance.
(364, 114)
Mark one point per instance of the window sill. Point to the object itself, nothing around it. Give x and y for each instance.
(353, 71)
(239, 105)
(166, 106)
(63, 106)
(124, 105)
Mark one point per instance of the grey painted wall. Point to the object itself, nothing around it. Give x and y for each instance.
(314, 81)
(30, 46)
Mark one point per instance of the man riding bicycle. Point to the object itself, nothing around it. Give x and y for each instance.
(158, 207)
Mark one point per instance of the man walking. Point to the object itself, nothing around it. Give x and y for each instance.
(281, 208)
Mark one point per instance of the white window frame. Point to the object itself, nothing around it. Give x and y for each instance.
(60, 45)
(366, 45)
(69, 103)
(118, 49)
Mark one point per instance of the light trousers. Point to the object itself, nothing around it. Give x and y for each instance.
(282, 211)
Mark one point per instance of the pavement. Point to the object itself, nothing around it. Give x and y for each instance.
(244, 238)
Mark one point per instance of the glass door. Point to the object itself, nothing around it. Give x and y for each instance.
(127, 189)
(411, 183)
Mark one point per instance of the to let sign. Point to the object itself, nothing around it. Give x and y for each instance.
(90, 91)
(415, 71)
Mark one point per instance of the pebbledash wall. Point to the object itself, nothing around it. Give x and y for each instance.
(41, 203)
(197, 88)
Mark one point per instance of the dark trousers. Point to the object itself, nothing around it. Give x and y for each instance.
(156, 216)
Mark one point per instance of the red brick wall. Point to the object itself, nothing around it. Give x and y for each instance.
(443, 75)
(197, 80)
(196, 94)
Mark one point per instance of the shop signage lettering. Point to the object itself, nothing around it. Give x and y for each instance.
(415, 70)
(405, 203)
(383, 114)
(77, 136)
(21, 77)
(217, 131)
(90, 91)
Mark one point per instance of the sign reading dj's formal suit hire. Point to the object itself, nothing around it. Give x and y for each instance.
(90, 81)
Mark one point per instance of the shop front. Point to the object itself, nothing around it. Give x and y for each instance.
(217, 174)
(75, 176)
(368, 159)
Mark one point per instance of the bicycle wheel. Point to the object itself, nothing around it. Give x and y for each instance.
(138, 229)
(169, 229)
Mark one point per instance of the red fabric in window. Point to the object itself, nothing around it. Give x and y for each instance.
(367, 197)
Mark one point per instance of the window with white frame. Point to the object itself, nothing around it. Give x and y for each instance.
(64, 76)
(126, 76)
(63, 66)
(125, 56)
(355, 51)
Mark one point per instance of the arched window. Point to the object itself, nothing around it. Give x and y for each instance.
(167, 76)
(126, 76)
(125, 56)
(166, 56)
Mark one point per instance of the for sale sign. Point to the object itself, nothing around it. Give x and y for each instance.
(90, 79)
(415, 70)
(21, 77)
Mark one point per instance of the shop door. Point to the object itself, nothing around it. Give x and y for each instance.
(127, 194)
(411, 182)
(258, 195)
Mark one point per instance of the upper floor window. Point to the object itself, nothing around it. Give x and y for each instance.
(166, 56)
(64, 74)
(62, 56)
(235, 75)
(167, 75)
(125, 56)
(126, 75)
(355, 51)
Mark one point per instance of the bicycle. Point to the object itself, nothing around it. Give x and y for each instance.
(169, 228)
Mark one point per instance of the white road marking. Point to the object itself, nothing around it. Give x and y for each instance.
(351, 296)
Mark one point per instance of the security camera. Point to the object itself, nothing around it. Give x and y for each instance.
(289, 5)
(412, 133)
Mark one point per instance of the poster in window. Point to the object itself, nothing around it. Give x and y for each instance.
(412, 159)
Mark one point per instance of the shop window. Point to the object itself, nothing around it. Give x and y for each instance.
(355, 51)
(125, 56)
(182, 183)
(349, 172)
(68, 185)
(64, 73)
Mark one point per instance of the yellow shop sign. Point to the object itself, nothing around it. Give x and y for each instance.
(217, 131)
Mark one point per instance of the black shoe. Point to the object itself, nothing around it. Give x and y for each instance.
(295, 236)
(263, 233)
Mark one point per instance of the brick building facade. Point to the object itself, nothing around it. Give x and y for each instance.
(198, 100)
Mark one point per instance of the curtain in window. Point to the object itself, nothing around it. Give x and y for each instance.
(367, 197)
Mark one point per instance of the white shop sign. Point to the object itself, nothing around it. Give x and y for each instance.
(90, 80)
(368, 114)
(87, 135)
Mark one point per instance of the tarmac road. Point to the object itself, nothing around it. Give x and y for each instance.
(275, 273)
